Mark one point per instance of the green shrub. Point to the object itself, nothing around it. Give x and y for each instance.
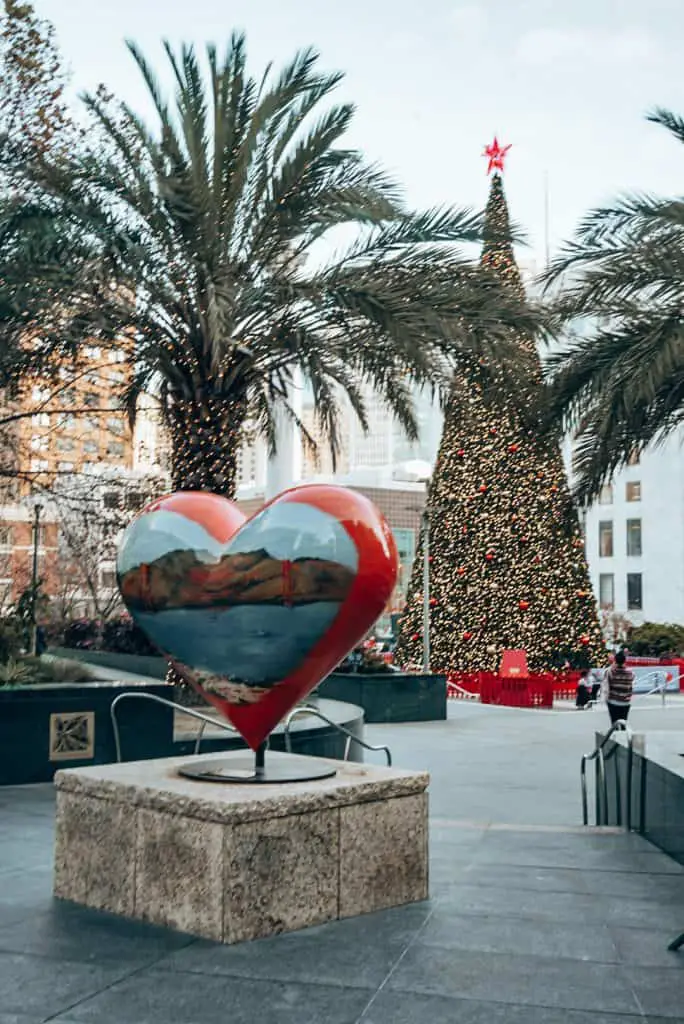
(15, 673)
(29, 671)
(58, 670)
(655, 639)
(11, 639)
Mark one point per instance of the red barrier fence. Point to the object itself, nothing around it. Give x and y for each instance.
(533, 691)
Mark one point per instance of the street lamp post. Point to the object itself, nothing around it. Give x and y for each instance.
(426, 590)
(37, 509)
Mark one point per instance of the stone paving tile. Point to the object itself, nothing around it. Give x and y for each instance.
(409, 1008)
(648, 948)
(526, 981)
(358, 952)
(536, 879)
(178, 998)
(558, 907)
(499, 934)
(44, 986)
(24, 893)
(659, 991)
(662, 888)
(69, 932)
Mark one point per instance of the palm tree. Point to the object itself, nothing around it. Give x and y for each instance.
(618, 383)
(204, 247)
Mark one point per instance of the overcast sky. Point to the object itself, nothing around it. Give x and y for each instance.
(566, 84)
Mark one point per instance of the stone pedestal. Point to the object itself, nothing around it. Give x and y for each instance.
(236, 862)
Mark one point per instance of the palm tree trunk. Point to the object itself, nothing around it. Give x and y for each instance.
(206, 436)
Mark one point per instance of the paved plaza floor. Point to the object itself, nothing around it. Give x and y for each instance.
(532, 919)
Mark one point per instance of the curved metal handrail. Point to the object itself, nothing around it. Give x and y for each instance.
(308, 709)
(131, 695)
(601, 784)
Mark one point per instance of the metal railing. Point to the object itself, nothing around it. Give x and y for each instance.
(208, 720)
(205, 719)
(601, 784)
(308, 709)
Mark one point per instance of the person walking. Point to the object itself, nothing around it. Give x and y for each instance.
(619, 682)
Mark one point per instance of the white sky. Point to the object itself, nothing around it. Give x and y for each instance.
(567, 84)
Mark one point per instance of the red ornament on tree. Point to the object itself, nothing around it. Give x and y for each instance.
(483, 488)
(513, 448)
(433, 602)
(415, 636)
(523, 605)
(489, 556)
(460, 570)
(467, 635)
(460, 452)
(584, 640)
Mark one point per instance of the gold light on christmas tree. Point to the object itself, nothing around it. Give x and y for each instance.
(507, 563)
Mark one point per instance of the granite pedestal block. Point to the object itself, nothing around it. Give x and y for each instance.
(234, 862)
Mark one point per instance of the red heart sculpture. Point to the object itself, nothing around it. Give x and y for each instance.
(254, 614)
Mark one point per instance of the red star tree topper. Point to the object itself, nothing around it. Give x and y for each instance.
(496, 155)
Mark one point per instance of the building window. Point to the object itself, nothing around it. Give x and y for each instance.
(41, 419)
(65, 444)
(38, 465)
(91, 399)
(115, 425)
(634, 537)
(634, 591)
(5, 536)
(65, 467)
(134, 500)
(607, 591)
(39, 443)
(606, 539)
(92, 351)
(109, 579)
(90, 447)
(115, 448)
(110, 499)
(606, 495)
(633, 490)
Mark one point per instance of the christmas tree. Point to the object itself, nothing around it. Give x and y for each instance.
(507, 567)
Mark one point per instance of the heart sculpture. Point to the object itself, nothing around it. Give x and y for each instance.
(255, 613)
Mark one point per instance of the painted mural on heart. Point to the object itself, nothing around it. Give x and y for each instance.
(255, 613)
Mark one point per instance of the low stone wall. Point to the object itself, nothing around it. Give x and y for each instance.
(391, 696)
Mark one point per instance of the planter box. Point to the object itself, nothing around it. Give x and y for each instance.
(148, 665)
(391, 696)
(45, 728)
(68, 725)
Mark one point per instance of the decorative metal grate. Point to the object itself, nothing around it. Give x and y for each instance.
(72, 736)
